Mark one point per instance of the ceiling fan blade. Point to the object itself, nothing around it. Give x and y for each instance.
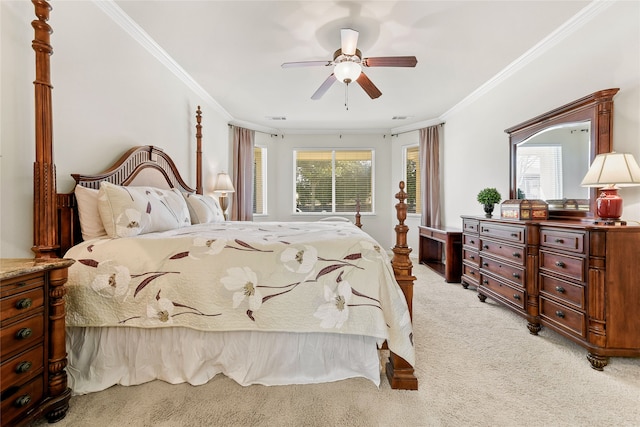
(349, 40)
(307, 64)
(390, 61)
(324, 87)
(368, 86)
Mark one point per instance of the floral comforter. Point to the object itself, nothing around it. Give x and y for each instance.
(233, 276)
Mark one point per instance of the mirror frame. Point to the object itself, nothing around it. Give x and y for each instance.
(596, 108)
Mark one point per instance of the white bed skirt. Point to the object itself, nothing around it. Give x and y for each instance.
(99, 358)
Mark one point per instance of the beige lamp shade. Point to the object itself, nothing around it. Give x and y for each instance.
(612, 169)
(223, 184)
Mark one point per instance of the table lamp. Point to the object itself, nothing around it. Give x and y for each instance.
(609, 171)
(222, 187)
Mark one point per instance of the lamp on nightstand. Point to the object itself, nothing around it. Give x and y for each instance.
(608, 172)
(222, 187)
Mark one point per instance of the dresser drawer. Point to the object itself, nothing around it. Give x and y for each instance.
(570, 320)
(22, 367)
(507, 292)
(471, 272)
(22, 302)
(23, 334)
(562, 239)
(470, 225)
(471, 240)
(502, 269)
(512, 253)
(471, 256)
(571, 267)
(18, 400)
(511, 233)
(568, 292)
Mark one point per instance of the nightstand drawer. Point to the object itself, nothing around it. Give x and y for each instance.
(18, 400)
(570, 320)
(509, 293)
(567, 292)
(471, 240)
(22, 302)
(571, 267)
(564, 240)
(511, 253)
(512, 233)
(502, 269)
(22, 334)
(22, 367)
(470, 256)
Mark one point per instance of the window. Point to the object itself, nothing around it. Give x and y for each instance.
(412, 179)
(334, 181)
(260, 180)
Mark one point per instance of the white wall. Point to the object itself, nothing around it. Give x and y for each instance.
(109, 94)
(602, 54)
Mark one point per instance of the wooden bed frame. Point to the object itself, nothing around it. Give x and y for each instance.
(55, 218)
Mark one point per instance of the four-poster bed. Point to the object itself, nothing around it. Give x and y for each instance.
(57, 227)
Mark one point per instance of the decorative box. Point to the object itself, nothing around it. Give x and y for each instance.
(524, 209)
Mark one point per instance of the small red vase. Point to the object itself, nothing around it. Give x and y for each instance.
(609, 204)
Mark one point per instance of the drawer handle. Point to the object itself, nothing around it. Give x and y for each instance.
(23, 401)
(560, 264)
(559, 240)
(560, 314)
(473, 242)
(473, 273)
(23, 367)
(485, 246)
(516, 275)
(516, 254)
(516, 296)
(472, 257)
(514, 234)
(485, 281)
(23, 333)
(23, 303)
(560, 289)
(485, 264)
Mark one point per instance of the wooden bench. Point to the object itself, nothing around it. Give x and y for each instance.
(436, 241)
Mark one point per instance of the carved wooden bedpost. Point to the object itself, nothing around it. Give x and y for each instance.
(199, 151)
(399, 372)
(45, 221)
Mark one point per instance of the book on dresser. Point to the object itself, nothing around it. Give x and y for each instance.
(576, 278)
(33, 379)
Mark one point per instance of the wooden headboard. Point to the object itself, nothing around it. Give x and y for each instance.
(142, 165)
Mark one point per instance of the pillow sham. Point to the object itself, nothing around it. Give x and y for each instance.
(91, 225)
(203, 209)
(130, 211)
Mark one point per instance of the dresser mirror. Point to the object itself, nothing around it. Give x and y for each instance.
(551, 153)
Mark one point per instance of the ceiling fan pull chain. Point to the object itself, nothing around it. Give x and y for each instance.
(346, 96)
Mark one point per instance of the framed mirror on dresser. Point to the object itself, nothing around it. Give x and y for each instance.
(552, 152)
(567, 273)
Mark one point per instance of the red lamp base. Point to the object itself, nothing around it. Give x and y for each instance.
(609, 207)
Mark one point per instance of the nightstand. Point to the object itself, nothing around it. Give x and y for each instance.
(33, 381)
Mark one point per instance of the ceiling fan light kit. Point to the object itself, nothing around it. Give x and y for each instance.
(348, 63)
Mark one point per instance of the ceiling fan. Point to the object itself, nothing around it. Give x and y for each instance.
(348, 62)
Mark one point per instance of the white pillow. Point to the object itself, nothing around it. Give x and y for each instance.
(129, 211)
(203, 209)
(90, 221)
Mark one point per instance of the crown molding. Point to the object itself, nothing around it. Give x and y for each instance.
(572, 25)
(113, 11)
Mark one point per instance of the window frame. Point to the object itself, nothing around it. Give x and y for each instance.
(264, 165)
(333, 180)
(405, 151)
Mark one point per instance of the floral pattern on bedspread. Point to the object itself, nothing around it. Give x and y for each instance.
(267, 276)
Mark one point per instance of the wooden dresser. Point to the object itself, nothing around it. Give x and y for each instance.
(579, 279)
(33, 381)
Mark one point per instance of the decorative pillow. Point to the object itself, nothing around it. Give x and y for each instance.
(203, 209)
(90, 221)
(129, 211)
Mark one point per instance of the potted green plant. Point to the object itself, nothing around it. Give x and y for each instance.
(488, 197)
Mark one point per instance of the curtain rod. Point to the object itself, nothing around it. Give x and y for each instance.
(261, 131)
(413, 130)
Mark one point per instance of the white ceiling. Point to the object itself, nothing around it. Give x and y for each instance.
(234, 51)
